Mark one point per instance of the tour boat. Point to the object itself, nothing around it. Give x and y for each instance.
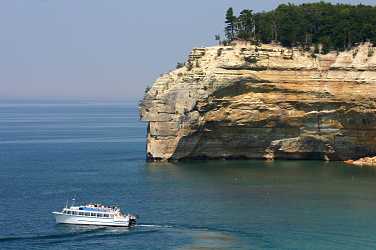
(95, 214)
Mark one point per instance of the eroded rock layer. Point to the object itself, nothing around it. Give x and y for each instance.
(269, 102)
(363, 162)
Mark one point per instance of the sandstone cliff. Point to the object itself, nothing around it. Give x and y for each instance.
(267, 101)
(363, 162)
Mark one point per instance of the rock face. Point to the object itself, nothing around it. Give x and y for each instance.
(266, 102)
(366, 161)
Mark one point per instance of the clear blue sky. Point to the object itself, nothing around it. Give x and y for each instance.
(103, 49)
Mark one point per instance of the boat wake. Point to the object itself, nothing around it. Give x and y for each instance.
(76, 233)
(96, 231)
(52, 236)
(153, 226)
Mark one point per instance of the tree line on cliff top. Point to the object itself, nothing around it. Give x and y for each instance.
(334, 27)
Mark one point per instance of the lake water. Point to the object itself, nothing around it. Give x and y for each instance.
(51, 152)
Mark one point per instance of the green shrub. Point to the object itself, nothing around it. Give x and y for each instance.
(251, 59)
(189, 65)
(370, 52)
(219, 52)
(179, 65)
(147, 89)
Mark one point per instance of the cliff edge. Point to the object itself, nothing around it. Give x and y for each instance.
(265, 102)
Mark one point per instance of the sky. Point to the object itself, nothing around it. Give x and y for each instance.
(104, 49)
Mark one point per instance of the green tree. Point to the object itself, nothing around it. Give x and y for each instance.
(218, 38)
(326, 44)
(246, 25)
(338, 26)
(230, 22)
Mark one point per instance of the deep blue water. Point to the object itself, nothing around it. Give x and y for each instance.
(51, 152)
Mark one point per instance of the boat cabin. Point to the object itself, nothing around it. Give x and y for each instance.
(93, 211)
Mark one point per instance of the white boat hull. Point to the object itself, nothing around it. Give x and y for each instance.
(62, 218)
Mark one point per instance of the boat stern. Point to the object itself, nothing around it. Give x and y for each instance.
(132, 219)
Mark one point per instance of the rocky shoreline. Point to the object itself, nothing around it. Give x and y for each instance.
(264, 102)
(363, 162)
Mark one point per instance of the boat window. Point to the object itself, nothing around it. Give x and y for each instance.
(87, 214)
(74, 212)
(69, 212)
(93, 214)
(106, 215)
(100, 215)
(81, 213)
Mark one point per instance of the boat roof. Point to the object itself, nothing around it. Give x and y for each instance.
(95, 208)
(91, 209)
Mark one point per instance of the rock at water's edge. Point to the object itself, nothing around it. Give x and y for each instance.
(366, 161)
(264, 102)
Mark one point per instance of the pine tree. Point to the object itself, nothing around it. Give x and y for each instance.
(230, 24)
(339, 26)
(246, 25)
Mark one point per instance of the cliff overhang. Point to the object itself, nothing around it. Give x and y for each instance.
(264, 102)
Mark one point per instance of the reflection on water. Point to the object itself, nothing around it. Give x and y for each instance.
(279, 204)
(210, 240)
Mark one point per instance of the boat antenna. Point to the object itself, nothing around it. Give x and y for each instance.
(73, 200)
(66, 204)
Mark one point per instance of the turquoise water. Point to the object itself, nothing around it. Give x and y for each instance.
(51, 152)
